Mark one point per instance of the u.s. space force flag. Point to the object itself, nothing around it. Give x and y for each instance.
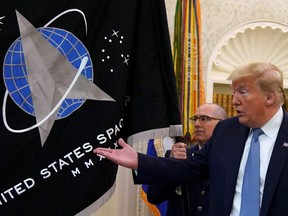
(76, 75)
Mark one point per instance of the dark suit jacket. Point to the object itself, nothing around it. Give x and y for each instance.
(219, 160)
(198, 195)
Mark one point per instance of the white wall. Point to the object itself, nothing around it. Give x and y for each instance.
(220, 16)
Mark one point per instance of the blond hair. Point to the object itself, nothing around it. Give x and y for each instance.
(268, 78)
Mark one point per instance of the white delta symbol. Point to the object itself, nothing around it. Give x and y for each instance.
(44, 92)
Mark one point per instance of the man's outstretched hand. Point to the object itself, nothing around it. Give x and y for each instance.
(126, 156)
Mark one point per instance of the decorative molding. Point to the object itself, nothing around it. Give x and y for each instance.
(220, 16)
(257, 40)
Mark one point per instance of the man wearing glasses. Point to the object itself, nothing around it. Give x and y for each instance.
(192, 200)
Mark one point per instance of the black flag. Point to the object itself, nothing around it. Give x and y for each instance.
(77, 75)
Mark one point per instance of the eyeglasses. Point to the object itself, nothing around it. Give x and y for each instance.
(203, 119)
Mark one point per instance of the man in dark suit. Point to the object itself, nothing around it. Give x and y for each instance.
(258, 98)
(189, 200)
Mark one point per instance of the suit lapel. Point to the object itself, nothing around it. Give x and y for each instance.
(276, 164)
(237, 148)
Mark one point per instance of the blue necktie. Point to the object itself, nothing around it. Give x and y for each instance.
(250, 197)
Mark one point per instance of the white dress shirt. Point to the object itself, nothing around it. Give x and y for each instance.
(267, 141)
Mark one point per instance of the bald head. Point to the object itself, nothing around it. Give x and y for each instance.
(205, 119)
(214, 110)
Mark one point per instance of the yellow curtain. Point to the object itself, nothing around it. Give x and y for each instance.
(225, 100)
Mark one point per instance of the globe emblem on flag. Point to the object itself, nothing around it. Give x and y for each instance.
(15, 72)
